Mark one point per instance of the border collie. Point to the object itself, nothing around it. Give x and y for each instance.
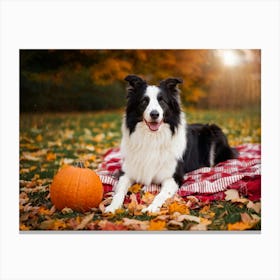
(157, 144)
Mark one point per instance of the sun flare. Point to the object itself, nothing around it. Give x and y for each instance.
(230, 57)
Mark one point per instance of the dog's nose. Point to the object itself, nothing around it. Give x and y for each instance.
(154, 114)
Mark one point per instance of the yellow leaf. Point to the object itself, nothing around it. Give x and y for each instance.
(59, 224)
(135, 188)
(39, 138)
(32, 168)
(119, 211)
(204, 221)
(176, 207)
(205, 209)
(157, 225)
(44, 211)
(98, 137)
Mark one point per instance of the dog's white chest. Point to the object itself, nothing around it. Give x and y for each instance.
(151, 157)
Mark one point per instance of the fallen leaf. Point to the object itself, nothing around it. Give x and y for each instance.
(199, 227)
(48, 224)
(255, 206)
(85, 221)
(175, 224)
(39, 138)
(245, 218)
(176, 207)
(135, 188)
(50, 156)
(132, 206)
(232, 195)
(191, 218)
(44, 211)
(157, 225)
(98, 137)
(24, 227)
(104, 203)
(148, 198)
(106, 225)
(239, 226)
(28, 156)
(135, 224)
(66, 210)
(204, 221)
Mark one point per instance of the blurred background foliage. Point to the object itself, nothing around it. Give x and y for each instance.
(86, 80)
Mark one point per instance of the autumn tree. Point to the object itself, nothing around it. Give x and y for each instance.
(93, 79)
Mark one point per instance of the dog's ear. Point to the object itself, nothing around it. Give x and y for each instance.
(171, 83)
(135, 81)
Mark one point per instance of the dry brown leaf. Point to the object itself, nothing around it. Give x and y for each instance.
(135, 224)
(232, 195)
(85, 221)
(104, 203)
(191, 218)
(66, 210)
(255, 206)
(245, 218)
(48, 224)
(175, 224)
(133, 203)
(199, 227)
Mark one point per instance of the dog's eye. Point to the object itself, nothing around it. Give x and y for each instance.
(144, 101)
(161, 100)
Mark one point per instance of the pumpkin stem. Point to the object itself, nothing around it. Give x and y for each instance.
(79, 164)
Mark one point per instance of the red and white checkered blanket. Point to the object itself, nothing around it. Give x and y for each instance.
(207, 183)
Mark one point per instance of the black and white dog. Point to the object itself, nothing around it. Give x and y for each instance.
(158, 146)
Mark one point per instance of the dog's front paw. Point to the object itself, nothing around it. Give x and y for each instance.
(112, 208)
(152, 209)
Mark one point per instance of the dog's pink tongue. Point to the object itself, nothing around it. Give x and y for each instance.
(153, 126)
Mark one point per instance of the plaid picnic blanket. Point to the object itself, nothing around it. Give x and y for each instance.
(207, 183)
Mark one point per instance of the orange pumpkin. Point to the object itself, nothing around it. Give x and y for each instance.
(76, 187)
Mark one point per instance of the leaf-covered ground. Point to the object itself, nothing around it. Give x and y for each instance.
(48, 141)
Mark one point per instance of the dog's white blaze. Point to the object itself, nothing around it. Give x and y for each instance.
(152, 92)
(212, 154)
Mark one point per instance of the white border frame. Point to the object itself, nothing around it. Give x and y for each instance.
(139, 24)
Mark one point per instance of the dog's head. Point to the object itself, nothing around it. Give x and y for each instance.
(152, 104)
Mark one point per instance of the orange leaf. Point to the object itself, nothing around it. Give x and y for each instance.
(24, 227)
(176, 207)
(50, 156)
(157, 225)
(239, 226)
(39, 138)
(135, 188)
